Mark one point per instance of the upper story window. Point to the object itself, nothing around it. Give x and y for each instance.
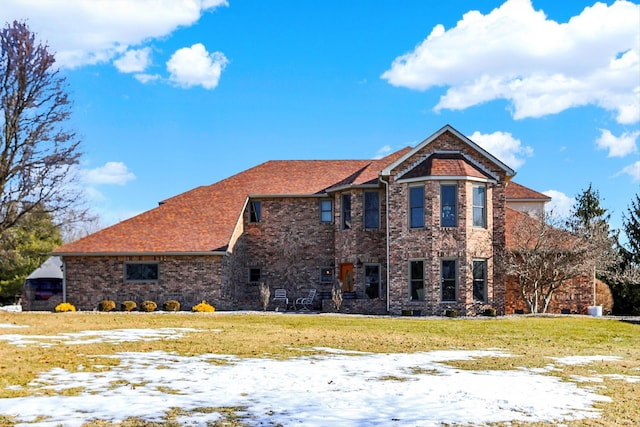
(479, 206)
(326, 211)
(371, 209)
(448, 205)
(346, 211)
(141, 272)
(416, 207)
(255, 211)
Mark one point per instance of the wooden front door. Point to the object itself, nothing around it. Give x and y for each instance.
(346, 277)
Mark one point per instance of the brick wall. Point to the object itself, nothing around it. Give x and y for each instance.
(434, 243)
(187, 279)
(573, 297)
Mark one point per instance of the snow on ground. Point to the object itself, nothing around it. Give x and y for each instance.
(11, 308)
(329, 389)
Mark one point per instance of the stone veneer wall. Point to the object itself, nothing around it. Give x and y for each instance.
(188, 279)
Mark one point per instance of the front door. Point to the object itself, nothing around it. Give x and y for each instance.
(346, 277)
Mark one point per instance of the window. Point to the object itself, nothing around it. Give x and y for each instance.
(326, 211)
(448, 196)
(416, 207)
(326, 275)
(255, 211)
(372, 280)
(416, 280)
(479, 206)
(448, 279)
(254, 275)
(346, 211)
(480, 280)
(371, 209)
(141, 272)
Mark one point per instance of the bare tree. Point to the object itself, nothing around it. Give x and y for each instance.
(37, 151)
(542, 257)
(264, 293)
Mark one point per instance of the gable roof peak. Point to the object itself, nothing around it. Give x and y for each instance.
(448, 128)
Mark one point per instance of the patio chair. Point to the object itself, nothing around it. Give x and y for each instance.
(281, 295)
(305, 302)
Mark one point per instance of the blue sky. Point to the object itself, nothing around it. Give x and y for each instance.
(170, 95)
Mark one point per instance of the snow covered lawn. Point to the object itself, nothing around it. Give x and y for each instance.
(329, 388)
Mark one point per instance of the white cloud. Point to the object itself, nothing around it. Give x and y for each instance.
(383, 151)
(194, 66)
(618, 146)
(134, 60)
(146, 78)
(83, 32)
(560, 203)
(115, 173)
(504, 146)
(633, 170)
(539, 65)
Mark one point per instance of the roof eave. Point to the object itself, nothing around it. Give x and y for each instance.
(167, 253)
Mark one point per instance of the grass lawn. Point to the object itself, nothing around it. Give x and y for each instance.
(532, 342)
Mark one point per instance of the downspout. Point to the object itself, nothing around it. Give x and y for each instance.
(64, 281)
(386, 185)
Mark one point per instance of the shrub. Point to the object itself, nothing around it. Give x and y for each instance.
(489, 312)
(203, 307)
(128, 305)
(171, 305)
(148, 306)
(450, 312)
(65, 307)
(106, 305)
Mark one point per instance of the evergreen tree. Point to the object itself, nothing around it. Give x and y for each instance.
(23, 248)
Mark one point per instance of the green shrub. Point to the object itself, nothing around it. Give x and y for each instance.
(148, 306)
(171, 305)
(128, 305)
(203, 307)
(65, 307)
(489, 312)
(450, 312)
(106, 305)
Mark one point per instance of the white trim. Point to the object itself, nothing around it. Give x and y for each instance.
(445, 178)
(114, 254)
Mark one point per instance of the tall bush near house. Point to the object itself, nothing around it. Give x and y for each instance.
(264, 294)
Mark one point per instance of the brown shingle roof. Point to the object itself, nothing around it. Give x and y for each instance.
(515, 191)
(203, 219)
(446, 164)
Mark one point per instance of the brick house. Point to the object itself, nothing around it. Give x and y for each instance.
(416, 230)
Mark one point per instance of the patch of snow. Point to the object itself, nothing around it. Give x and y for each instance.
(333, 388)
(16, 308)
(584, 360)
(114, 336)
